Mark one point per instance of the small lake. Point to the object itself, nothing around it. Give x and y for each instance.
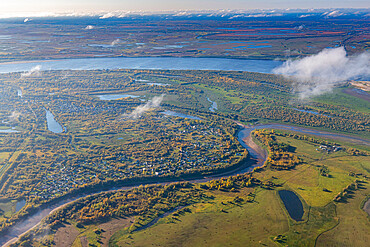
(115, 96)
(177, 114)
(19, 205)
(213, 107)
(292, 204)
(12, 130)
(53, 125)
(312, 112)
(156, 63)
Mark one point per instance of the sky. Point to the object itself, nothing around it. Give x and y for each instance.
(7, 7)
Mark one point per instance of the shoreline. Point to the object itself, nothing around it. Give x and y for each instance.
(256, 158)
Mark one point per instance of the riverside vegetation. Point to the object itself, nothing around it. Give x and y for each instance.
(239, 209)
(104, 145)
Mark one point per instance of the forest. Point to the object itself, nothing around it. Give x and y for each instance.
(102, 143)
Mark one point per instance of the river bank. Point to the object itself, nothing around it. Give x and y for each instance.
(257, 157)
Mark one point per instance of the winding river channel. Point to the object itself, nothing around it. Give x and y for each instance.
(257, 159)
(257, 154)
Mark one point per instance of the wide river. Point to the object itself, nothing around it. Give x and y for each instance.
(168, 63)
(165, 63)
(257, 159)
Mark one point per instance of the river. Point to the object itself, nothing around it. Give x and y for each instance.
(156, 63)
(257, 159)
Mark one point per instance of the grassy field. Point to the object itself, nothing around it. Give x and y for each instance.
(339, 98)
(218, 223)
(265, 221)
(354, 224)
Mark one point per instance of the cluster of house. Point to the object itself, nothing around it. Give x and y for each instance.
(328, 149)
(196, 154)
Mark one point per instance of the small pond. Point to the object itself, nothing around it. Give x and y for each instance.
(12, 130)
(312, 112)
(213, 107)
(53, 125)
(292, 204)
(19, 205)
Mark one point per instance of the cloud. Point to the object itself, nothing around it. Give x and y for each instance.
(334, 13)
(89, 27)
(318, 74)
(114, 14)
(35, 71)
(151, 104)
(115, 42)
(304, 16)
(14, 116)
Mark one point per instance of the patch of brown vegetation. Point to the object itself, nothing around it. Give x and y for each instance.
(109, 228)
(362, 95)
(84, 241)
(65, 236)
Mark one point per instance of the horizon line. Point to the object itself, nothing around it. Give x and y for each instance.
(22, 14)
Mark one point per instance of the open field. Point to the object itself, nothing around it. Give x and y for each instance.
(106, 144)
(334, 221)
(255, 215)
(208, 225)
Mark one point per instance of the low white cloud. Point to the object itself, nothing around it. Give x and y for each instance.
(318, 74)
(334, 13)
(114, 14)
(115, 42)
(89, 27)
(151, 104)
(14, 116)
(304, 16)
(35, 71)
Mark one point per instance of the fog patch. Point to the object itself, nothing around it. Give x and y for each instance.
(14, 116)
(35, 71)
(141, 109)
(115, 42)
(320, 73)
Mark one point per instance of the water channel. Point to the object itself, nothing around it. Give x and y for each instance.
(257, 159)
(164, 63)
